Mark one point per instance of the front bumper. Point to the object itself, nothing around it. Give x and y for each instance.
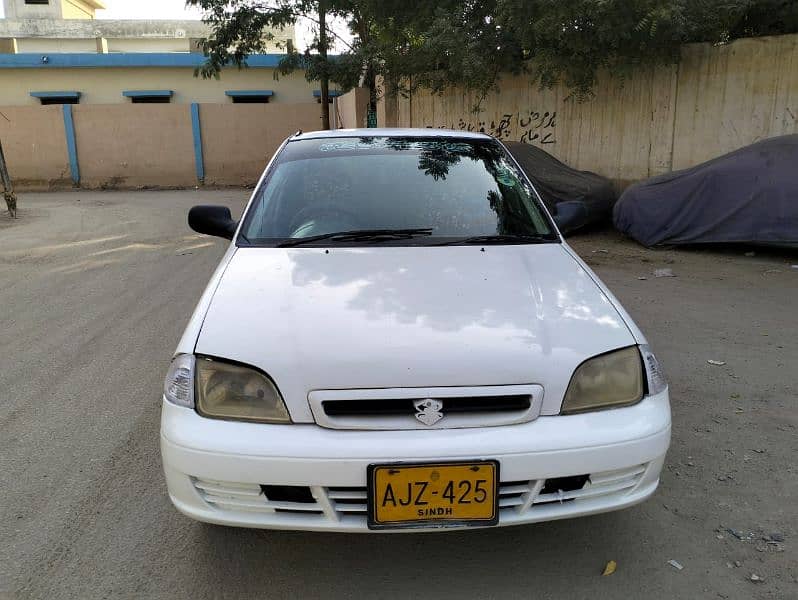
(214, 468)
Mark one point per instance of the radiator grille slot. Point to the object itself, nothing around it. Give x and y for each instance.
(346, 503)
(404, 406)
(253, 497)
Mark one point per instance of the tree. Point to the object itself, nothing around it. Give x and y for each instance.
(381, 30)
(470, 43)
(8, 188)
(242, 27)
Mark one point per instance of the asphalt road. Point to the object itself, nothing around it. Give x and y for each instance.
(95, 289)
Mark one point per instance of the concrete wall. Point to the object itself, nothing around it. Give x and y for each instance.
(75, 9)
(34, 145)
(8, 46)
(716, 100)
(352, 108)
(733, 95)
(147, 45)
(17, 9)
(54, 9)
(105, 85)
(55, 27)
(37, 31)
(47, 46)
(239, 139)
(131, 146)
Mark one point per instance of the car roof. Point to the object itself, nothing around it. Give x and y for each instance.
(390, 132)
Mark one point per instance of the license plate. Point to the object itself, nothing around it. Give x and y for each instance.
(439, 494)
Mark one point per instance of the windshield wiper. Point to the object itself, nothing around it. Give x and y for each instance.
(359, 235)
(499, 238)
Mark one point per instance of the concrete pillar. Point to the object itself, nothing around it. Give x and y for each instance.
(102, 45)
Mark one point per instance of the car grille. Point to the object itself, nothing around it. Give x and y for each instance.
(404, 406)
(347, 503)
(393, 408)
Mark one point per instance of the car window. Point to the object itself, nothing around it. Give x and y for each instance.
(454, 187)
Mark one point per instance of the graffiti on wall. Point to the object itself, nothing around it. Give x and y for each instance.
(531, 126)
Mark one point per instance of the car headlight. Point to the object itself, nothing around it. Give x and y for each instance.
(606, 381)
(229, 391)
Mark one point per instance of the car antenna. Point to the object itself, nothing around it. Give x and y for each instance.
(298, 132)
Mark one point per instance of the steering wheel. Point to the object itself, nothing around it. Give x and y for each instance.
(333, 218)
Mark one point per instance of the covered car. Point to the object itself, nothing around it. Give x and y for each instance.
(589, 193)
(749, 196)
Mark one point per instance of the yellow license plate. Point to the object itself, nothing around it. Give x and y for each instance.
(404, 495)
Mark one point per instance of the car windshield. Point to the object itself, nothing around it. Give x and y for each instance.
(394, 191)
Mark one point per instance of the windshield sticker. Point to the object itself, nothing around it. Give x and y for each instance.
(394, 144)
(353, 145)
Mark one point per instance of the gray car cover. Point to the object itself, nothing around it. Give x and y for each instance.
(749, 195)
(557, 182)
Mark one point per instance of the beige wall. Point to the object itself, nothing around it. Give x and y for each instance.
(716, 100)
(130, 146)
(17, 9)
(75, 9)
(165, 44)
(105, 86)
(54, 9)
(34, 145)
(121, 146)
(352, 108)
(8, 46)
(733, 95)
(47, 46)
(387, 108)
(239, 139)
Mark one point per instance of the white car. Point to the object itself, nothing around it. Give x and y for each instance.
(399, 339)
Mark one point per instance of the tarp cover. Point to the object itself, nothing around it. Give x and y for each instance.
(749, 195)
(557, 182)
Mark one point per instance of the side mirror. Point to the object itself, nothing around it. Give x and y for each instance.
(570, 215)
(212, 220)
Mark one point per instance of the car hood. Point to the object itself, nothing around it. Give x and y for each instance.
(399, 317)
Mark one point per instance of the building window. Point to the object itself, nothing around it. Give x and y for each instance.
(57, 97)
(38, 2)
(249, 96)
(330, 95)
(151, 100)
(149, 96)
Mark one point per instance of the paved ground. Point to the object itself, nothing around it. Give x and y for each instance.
(95, 289)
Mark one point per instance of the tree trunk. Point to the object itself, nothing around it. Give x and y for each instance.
(8, 191)
(325, 79)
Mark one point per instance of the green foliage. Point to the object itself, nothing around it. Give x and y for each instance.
(470, 43)
(571, 41)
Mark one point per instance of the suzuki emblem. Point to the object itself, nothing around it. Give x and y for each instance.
(428, 411)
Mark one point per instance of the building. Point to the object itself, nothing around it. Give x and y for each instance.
(56, 52)
(51, 9)
(96, 103)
